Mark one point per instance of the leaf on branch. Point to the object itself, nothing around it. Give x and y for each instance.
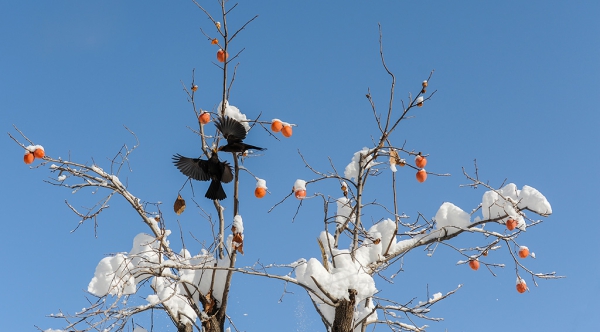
(210, 303)
(179, 205)
(238, 243)
(394, 158)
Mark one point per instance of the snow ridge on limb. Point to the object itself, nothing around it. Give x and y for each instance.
(509, 202)
(120, 274)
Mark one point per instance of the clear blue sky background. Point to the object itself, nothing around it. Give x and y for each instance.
(517, 89)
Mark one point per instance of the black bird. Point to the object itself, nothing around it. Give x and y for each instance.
(204, 170)
(234, 132)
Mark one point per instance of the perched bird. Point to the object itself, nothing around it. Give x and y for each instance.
(234, 132)
(203, 170)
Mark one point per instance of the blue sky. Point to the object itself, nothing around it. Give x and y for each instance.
(517, 89)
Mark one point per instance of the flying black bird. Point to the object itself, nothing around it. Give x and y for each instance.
(234, 132)
(204, 170)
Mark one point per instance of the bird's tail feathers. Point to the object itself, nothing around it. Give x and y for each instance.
(215, 191)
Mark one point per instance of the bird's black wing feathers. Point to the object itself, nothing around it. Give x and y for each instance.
(196, 169)
(227, 175)
(231, 129)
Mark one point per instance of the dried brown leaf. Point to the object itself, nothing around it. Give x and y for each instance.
(179, 205)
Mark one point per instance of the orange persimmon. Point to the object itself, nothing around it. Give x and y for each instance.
(260, 192)
(214, 41)
(276, 125)
(474, 264)
(523, 251)
(300, 194)
(511, 224)
(194, 88)
(222, 55)
(420, 161)
(421, 175)
(286, 130)
(521, 286)
(39, 153)
(28, 158)
(204, 118)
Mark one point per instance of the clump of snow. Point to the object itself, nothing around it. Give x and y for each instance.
(169, 294)
(238, 224)
(120, 274)
(351, 171)
(51, 330)
(234, 112)
(32, 148)
(62, 177)
(144, 253)
(419, 100)
(260, 183)
(113, 276)
(299, 185)
(363, 309)
(386, 231)
(344, 209)
(174, 296)
(343, 274)
(505, 203)
(531, 199)
(452, 218)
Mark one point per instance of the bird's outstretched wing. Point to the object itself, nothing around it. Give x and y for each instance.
(227, 174)
(194, 168)
(232, 130)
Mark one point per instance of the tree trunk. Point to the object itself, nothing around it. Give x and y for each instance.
(344, 313)
(213, 325)
(185, 328)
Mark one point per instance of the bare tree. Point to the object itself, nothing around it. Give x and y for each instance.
(193, 290)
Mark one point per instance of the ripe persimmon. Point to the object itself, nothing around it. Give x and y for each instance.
(420, 161)
(260, 192)
(523, 251)
(421, 175)
(511, 224)
(194, 88)
(204, 118)
(474, 264)
(214, 41)
(39, 152)
(521, 286)
(276, 125)
(300, 194)
(28, 158)
(286, 130)
(222, 55)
